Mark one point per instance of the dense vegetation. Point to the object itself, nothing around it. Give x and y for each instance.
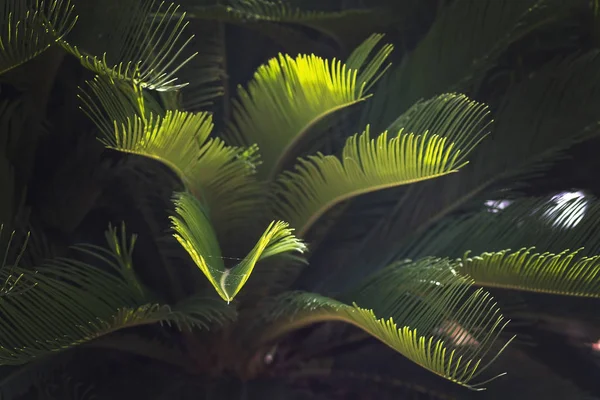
(292, 199)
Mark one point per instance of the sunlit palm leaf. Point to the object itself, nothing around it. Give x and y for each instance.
(546, 105)
(131, 122)
(409, 308)
(563, 273)
(67, 302)
(366, 165)
(29, 28)
(369, 70)
(147, 49)
(195, 233)
(288, 97)
(460, 121)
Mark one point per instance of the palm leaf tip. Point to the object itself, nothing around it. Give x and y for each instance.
(193, 230)
(28, 30)
(555, 273)
(148, 46)
(370, 72)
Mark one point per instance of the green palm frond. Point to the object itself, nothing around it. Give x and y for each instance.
(195, 233)
(146, 46)
(409, 308)
(564, 273)
(29, 28)
(289, 96)
(131, 122)
(546, 105)
(367, 165)
(370, 71)
(66, 302)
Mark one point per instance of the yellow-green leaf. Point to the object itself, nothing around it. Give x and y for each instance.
(563, 273)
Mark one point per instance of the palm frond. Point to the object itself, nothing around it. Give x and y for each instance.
(221, 175)
(29, 28)
(196, 235)
(545, 106)
(67, 302)
(288, 97)
(372, 70)
(408, 308)
(146, 47)
(564, 273)
(368, 165)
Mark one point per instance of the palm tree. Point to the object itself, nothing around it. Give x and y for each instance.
(277, 229)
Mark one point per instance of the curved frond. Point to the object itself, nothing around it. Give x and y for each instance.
(28, 30)
(563, 273)
(146, 46)
(561, 97)
(288, 97)
(67, 302)
(195, 233)
(221, 175)
(412, 309)
(372, 71)
(368, 165)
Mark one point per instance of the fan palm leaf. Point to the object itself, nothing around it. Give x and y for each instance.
(406, 307)
(131, 122)
(67, 302)
(195, 233)
(29, 28)
(289, 96)
(146, 48)
(538, 223)
(544, 105)
(563, 273)
(368, 165)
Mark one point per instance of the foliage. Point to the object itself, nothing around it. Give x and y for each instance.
(296, 212)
